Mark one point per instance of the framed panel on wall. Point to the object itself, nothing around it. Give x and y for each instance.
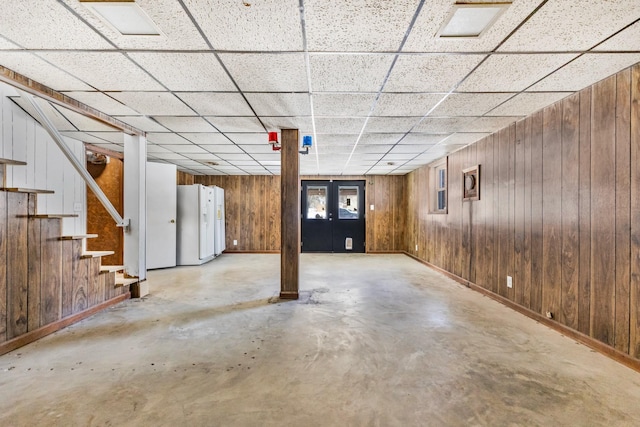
(471, 183)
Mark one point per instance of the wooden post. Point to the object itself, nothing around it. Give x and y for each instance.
(290, 215)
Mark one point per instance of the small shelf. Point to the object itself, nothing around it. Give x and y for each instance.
(95, 254)
(26, 190)
(12, 162)
(123, 281)
(111, 268)
(79, 237)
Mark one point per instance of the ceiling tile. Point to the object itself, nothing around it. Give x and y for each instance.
(270, 156)
(6, 44)
(262, 26)
(433, 16)
(185, 148)
(398, 157)
(30, 24)
(217, 104)
(464, 138)
(106, 71)
(267, 72)
(113, 137)
(103, 103)
(154, 103)
(470, 104)
(203, 138)
(585, 71)
(410, 149)
(339, 125)
(343, 104)
(512, 73)
(112, 147)
(197, 71)
(442, 125)
(327, 140)
(167, 138)
(280, 104)
(82, 122)
(204, 157)
(39, 70)
(527, 103)
(406, 104)
(178, 32)
(169, 156)
(143, 123)
(628, 39)
(391, 124)
(236, 124)
(572, 25)
(380, 25)
(489, 124)
(380, 138)
(431, 73)
(84, 137)
(273, 124)
(423, 138)
(153, 148)
(353, 73)
(222, 149)
(258, 139)
(186, 124)
(374, 148)
(232, 157)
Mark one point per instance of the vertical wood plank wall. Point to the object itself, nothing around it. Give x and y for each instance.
(559, 212)
(253, 210)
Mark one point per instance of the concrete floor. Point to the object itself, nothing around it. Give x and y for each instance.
(375, 340)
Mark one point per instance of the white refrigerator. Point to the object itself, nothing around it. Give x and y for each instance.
(220, 245)
(196, 224)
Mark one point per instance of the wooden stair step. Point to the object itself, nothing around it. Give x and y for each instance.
(49, 216)
(12, 162)
(26, 190)
(95, 254)
(79, 237)
(125, 281)
(111, 268)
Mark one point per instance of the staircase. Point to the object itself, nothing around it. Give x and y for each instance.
(47, 281)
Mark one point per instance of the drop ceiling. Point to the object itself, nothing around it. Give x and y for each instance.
(370, 80)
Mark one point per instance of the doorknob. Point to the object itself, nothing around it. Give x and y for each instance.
(173, 221)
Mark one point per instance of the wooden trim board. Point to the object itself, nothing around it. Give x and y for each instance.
(36, 334)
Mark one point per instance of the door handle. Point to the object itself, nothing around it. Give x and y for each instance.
(330, 219)
(172, 221)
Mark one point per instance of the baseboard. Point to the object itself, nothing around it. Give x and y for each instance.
(43, 331)
(250, 252)
(590, 342)
(386, 252)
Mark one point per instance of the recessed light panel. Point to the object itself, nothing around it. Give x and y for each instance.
(126, 17)
(471, 20)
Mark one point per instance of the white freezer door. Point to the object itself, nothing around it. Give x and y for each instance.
(220, 219)
(207, 222)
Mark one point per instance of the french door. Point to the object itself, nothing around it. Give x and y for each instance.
(333, 216)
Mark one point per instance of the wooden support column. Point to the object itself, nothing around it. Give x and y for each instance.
(290, 215)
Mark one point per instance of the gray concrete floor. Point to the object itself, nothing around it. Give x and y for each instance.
(375, 340)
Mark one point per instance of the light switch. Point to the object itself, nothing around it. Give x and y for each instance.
(371, 207)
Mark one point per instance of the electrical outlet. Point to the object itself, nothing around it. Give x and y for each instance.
(416, 248)
(235, 243)
(509, 282)
(77, 207)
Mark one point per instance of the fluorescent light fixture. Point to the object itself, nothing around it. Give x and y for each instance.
(124, 16)
(471, 19)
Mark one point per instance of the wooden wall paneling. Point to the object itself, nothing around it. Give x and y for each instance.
(537, 250)
(399, 213)
(603, 245)
(67, 275)
(511, 230)
(17, 264)
(427, 242)
(519, 195)
(504, 251)
(261, 214)
(184, 178)
(51, 294)
(479, 217)
(570, 248)
(584, 274)
(525, 265)
(93, 282)
(35, 273)
(489, 192)
(370, 221)
(384, 216)
(623, 209)
(412, 209)
(3, 265)
(468, 218)
(274, 214)
(634, 291)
